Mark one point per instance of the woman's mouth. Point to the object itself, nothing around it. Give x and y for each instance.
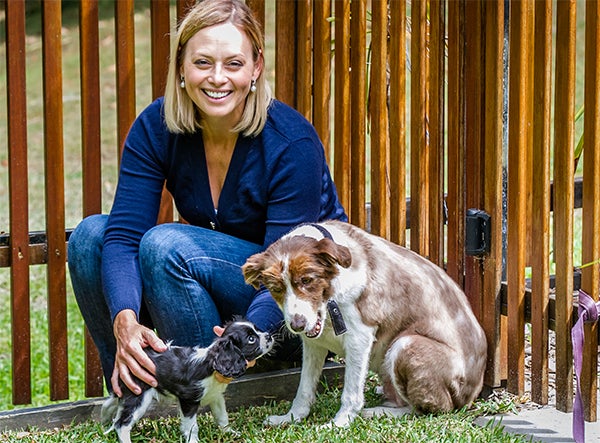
(216, 95)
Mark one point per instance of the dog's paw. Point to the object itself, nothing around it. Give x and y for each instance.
(385, 410)
(278, 420)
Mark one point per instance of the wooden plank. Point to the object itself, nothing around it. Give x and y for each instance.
(125, 55)
(456, 136)
(378, 116)
(563, 198)
(419, 177)
(492, 184)
(591, 204)
(341, 167)
(473, 101)
(397, 122)
(18, 250)
(285, 44)
(358, 62)
(519, 141)
(436, 131)
(258, 8)
(540, 235)
(160, 44)
(322, 73)
(304, 58)
(91, 154)
(55, 195)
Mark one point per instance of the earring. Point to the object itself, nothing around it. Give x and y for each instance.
(253, 86)
(182, 83)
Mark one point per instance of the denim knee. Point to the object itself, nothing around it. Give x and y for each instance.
(85, 242)
(157, 245)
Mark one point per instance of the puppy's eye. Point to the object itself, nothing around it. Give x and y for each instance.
(252, 339)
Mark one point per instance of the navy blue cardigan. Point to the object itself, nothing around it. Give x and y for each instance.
(275, 181)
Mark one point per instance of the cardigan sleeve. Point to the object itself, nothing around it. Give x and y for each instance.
(135, 210)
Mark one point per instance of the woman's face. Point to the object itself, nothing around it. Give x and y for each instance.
(218, 69)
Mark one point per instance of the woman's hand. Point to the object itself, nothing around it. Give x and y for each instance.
(130, 358)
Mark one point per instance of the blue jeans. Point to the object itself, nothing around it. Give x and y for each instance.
(192, 280)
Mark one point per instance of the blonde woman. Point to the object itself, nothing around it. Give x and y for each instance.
(243, 170)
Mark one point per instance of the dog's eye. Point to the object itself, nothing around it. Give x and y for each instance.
(306, 281)
(252, 339)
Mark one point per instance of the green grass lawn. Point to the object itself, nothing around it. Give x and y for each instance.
(248, 426)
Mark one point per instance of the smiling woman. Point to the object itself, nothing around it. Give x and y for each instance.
(243, 169)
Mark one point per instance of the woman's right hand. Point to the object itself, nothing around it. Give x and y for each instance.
(130, 358)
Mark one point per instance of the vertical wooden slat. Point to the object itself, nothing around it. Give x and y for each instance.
(590, 279)
(304, 58)
(182, 7)
(18, 201)
(436, 132)
(341, 169)
(474, 76)
(91, 153)
(378, 118)
(540, 235)
(125, 54)
(160, 44)
(492, 184)
(322, 72)
(55, 203)
(258, 8)
(285, 44)
(358, 61)
(563, 198)
(519, 142)
(456, 136)
(397, 121)
(419, 147)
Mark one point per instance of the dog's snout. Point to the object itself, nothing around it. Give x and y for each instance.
(298, 323)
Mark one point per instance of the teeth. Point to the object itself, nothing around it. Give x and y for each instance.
(216, 94)
(314, 332)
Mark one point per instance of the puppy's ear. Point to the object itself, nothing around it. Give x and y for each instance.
(229, 361)
(332, 253)
(253, 269)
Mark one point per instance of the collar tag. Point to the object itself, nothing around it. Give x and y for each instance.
(337, 319)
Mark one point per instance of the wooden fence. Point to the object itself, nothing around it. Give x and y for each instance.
(426, 110)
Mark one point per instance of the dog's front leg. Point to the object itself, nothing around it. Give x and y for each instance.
(313, 358)
(219, 411)
(358, 352)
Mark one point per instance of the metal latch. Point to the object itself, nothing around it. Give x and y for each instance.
(478, 233)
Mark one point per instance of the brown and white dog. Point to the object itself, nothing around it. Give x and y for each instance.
(378, 305)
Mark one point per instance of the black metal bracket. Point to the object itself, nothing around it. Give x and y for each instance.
(478, 232)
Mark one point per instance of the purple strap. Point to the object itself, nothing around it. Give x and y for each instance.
(588, 313)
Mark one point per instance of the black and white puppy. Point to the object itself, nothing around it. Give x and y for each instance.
(196, 376)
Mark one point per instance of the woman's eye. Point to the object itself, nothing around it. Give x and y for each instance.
(202, 63)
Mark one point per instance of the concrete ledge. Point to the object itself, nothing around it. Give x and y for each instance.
(249, 390)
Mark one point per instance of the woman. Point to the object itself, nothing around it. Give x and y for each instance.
(243, 169)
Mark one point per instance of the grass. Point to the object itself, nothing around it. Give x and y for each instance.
(248, 426)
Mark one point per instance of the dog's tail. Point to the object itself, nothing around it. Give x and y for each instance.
(108, 412)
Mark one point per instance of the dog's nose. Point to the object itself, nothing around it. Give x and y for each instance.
(298, 323)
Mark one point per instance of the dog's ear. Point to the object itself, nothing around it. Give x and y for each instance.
(333, 253)
(253, 269)
(229, 361)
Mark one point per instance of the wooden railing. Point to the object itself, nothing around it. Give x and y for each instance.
(466, 97)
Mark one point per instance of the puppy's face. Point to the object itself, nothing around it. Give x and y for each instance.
(251, 342)
(298, 271)
(240, 343)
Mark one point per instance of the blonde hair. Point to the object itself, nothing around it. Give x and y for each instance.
(181, 115)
